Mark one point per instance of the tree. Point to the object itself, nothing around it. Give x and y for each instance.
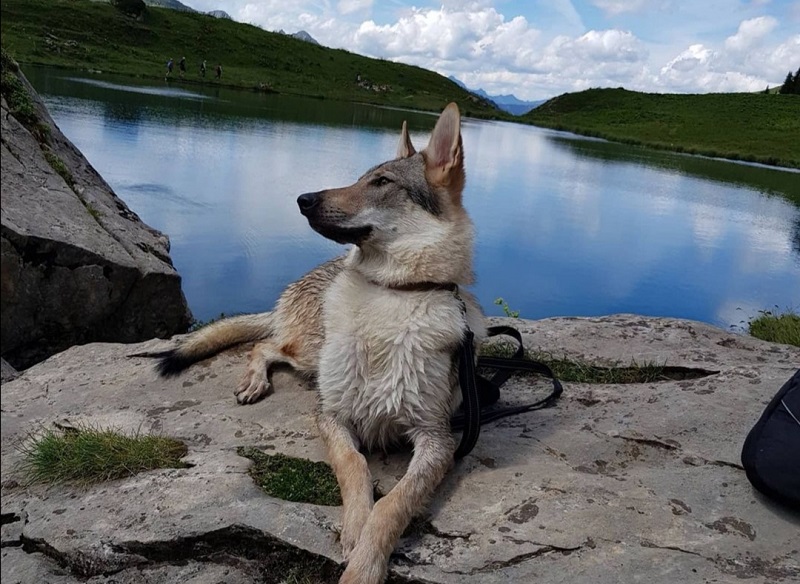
(788, 84)
(797, 82)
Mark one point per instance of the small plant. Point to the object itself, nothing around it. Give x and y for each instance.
(19, 101)
(776, 326)
(293, 479)
(198, 324)
(93, 211)
(84, 454)
(509, 313)
(58, 165)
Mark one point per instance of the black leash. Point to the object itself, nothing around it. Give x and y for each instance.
(479, 392)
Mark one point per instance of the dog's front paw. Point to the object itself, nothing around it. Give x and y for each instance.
(253, 386)
(365, 567)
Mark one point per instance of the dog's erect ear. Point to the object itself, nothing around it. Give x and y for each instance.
(405, 148)
(444, 156)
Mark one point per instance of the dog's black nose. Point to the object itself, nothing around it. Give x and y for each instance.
(307, 202)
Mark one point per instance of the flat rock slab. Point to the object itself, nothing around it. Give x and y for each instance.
(617, 483)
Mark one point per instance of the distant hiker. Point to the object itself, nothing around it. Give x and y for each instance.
(169, 68)
(203, 68)
(182, 65)
(218, 72)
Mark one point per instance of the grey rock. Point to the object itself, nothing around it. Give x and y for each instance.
(77, 264)
(617, 483)
(7, 372)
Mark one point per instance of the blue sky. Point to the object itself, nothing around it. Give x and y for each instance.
(537, 49)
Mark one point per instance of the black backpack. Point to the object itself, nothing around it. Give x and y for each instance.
(771, 452)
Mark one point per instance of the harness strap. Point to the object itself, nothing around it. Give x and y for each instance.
(471, 405)
(471, 418)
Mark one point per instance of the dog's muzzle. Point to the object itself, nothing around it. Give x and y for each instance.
(327, 223)
(309, 203)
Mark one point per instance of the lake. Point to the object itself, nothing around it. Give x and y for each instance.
(566, 226)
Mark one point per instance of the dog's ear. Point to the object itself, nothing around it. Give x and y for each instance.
(405, 148)
(444, 155)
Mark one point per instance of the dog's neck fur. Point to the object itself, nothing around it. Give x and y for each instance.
(445, 259)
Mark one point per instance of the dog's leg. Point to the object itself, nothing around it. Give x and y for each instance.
(352, 473)
(433, 456)
(255, 383)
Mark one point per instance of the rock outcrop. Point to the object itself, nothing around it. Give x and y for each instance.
(616, 483)
(77, 264)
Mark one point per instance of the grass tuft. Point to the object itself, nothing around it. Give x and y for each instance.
(17, 97)
(85, 454)
(776, 327)
(571, 370)
(58, 165)
(293, 479)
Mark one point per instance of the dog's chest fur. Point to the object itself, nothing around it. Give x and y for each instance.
(386, 366)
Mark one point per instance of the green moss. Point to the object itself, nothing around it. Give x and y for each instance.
(17, 97)
(571, 370)
(776, 327)
(58, 165)
(85, 454)
(293, 479)
(93, 212)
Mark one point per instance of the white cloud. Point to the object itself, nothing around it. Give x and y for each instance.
(751, 33)
(442, 34)
(718, 45)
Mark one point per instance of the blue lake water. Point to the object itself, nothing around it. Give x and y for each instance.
(566, 225)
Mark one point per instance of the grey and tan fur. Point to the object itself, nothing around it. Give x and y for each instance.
(380, 347)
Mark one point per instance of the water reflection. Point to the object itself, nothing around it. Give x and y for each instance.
(566, 226)
(767, 180)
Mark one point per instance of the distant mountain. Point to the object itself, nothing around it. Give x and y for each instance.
(304, 36)
(301, 35)
(508, 103)
(173, 4)
(220, 14)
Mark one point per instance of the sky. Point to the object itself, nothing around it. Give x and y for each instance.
(537, 49)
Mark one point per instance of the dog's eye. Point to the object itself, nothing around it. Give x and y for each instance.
(381, 181)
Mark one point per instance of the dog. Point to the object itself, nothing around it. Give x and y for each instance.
(377, 329)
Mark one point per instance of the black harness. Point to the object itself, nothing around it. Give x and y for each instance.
(479, 393)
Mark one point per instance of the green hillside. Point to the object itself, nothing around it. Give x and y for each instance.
(755, 127)
(81, 34)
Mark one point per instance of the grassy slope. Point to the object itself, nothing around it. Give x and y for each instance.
(741, 126)
(93, 35)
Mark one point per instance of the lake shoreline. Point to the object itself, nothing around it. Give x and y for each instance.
(565, 224)
(742, 158)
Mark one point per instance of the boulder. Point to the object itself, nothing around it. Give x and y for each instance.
(77, 264)
(617, 483)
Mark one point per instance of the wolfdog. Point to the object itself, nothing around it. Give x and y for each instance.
(378, 329)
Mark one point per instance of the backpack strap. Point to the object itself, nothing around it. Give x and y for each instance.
(478, 392)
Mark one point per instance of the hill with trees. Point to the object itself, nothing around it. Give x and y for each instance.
(792, 84)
